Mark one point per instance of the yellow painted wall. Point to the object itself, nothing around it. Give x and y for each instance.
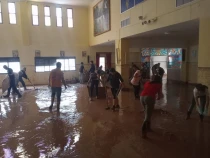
(49, 40)
(165, 10)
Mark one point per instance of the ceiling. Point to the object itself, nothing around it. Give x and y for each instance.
(186, 30)
(68, 2)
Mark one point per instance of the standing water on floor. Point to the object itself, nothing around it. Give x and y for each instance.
(85, 129)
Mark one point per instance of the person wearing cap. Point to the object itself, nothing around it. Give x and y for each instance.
(22, 74)
(116, 82)
(12, 82)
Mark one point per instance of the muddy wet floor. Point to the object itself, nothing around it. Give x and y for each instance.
(85, 129)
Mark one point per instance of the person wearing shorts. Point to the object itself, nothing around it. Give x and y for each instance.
(56, 79)
(116, 82)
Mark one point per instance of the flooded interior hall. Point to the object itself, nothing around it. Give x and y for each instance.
(86, 129)
(104, 79)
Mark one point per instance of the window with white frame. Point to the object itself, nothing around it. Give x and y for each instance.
(47, 16)
(12, 13)
(70, 17)
(182, 2)
(11, 62)
(59, 17)
(0, 14)
(35, 17)
(45, 64)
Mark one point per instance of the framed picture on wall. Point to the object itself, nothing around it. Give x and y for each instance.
(15, 53)
(101, 17)
(37, 53)
(62, 53)
(84, 53)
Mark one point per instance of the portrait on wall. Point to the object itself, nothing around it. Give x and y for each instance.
(62, 54)
(84, 53)
(15, 53)
(37, 53)
(101, 17)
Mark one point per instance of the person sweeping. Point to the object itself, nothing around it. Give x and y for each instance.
(147, 98)
(22, 74)
(12, 82)
(200, 100)
(116, 82)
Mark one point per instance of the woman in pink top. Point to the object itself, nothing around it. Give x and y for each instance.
(148, 97)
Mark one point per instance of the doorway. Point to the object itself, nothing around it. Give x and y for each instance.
(102, 62)
(163, 60)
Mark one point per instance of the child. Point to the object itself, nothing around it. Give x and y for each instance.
(135, 81)
(148, 97)
(199, 92)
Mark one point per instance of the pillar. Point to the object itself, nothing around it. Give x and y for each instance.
(204, 52)
(121, 59)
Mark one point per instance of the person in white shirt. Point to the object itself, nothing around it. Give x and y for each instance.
(199, 92)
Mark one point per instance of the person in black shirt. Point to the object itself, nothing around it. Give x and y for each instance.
(116, 82)
(155, 69)
(92, 67)
(81, 73)
(22, 74)
(161, 72)
(12, 82)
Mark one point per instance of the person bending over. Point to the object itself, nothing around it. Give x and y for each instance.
(200, 92)
(56, 79)
(116, 82)
(12, 82)
(136, 82)
(147, 98)
(22, 74)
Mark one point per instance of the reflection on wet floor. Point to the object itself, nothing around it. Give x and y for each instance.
(84, 129)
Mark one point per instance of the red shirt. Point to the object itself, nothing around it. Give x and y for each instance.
(151, 89)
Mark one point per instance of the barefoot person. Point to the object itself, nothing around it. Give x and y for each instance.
(200, 92)
(148, 97)
(56, 79)
(116, 82)
(12, 82)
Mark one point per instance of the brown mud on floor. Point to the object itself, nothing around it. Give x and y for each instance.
(84, 129)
